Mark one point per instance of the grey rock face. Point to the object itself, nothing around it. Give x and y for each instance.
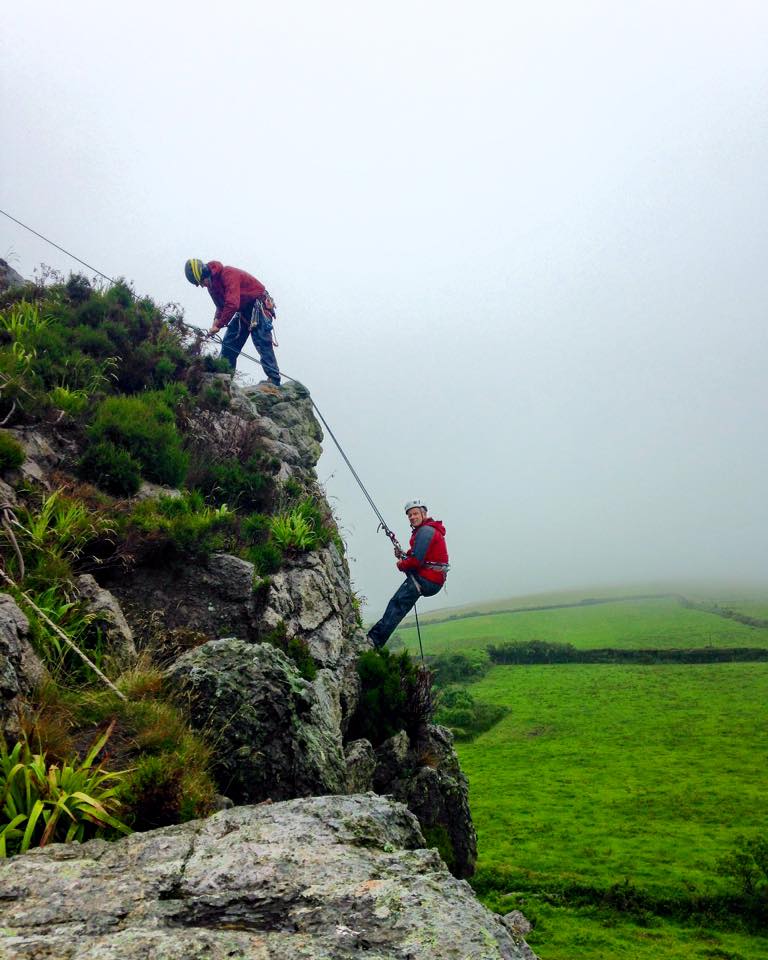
(20, 669)
(311, 596)
(214, 598)
(361, 762)
(41, 455)
(320, 879)
(276, 735)
(298, 439)
(118, 634)
(9, 277)
(427, 778)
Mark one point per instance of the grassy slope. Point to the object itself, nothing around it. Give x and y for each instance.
(733, 595)
(609, 772)
(624, 624)
(603, 773)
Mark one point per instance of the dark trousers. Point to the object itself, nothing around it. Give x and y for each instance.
(238, 329)
(403, 601)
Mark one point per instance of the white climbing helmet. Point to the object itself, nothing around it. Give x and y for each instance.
(410, 504)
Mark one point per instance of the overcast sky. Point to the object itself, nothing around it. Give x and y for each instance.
(518, 250)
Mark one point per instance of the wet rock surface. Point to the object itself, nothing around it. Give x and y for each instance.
(328, 877)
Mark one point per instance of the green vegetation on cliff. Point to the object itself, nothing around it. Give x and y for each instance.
(118, 387)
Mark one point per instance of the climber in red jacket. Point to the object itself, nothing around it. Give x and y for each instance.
(243, 306)
(425, 565)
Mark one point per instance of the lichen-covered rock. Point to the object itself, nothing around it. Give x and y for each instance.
(119, 635)
(315, 879)
(277, 735)
(297, 444)
(361, 762)
(312, 597)
(427, 778)
(20, 669)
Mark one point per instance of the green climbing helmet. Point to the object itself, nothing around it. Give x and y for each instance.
(196, 271)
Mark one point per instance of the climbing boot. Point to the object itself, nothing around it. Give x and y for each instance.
(266, 386)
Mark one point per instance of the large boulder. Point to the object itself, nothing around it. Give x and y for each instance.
(20, 669)
(326, 877)
(276, 735)
(427, 778)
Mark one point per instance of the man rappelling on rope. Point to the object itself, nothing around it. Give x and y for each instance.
(244, 307)
(425, 565)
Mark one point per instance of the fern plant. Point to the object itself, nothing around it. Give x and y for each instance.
(293, 531)
(61, 527)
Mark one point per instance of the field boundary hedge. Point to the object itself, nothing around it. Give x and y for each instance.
(533, 652)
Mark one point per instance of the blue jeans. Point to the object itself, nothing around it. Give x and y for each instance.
(238, 329)
(403, 601)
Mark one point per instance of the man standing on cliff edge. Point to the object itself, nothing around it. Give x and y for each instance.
(243, 306)
(425, 566)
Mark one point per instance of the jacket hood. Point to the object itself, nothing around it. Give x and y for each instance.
(437, 524)
(215, 266)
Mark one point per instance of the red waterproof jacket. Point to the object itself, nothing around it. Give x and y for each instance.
(427, 553)
(232, 290)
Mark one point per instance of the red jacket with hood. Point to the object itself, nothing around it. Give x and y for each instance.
(231, 290)
(427, 547)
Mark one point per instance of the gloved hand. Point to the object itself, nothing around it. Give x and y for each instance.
(401, 565)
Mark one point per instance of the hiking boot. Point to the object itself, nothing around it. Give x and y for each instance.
(267, 386)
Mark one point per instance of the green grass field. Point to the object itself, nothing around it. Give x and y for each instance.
(607, 773)
(629, 624)
(602, 773)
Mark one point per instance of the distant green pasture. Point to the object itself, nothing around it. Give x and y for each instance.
(626, 624)
(588, 934)
(601, 773)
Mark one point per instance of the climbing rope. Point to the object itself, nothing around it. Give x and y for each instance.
(418, 630)
(175, 321)
(60, 633)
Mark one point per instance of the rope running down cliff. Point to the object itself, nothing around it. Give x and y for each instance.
(175, 321)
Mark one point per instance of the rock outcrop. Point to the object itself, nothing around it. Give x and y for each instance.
(9, 277)
(427, 778)
(275, 736)
(20, 669)
(329, 877)
(109, 615)
(334, 876)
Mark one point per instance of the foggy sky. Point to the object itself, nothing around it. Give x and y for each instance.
(518, 251)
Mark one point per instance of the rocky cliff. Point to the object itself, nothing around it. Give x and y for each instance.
(341, 876)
